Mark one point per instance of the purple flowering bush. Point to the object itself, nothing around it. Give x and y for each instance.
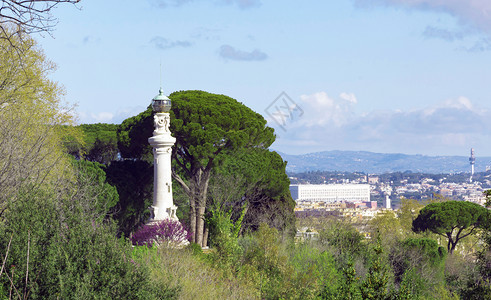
(167, 232)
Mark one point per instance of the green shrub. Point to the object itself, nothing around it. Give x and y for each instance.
(347, 287)
(419, 263)
(66, 251)
(376, 284)
(192, 277)
(260, 261)
(314, 271)
(344, 241)
(478, 285)
(195, 249)
(224, 233)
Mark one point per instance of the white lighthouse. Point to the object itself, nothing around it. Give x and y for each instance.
(163, 206)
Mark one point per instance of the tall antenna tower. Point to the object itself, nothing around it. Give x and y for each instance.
(472, 161)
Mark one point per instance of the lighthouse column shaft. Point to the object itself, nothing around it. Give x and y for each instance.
(162, 181)
(162, 142)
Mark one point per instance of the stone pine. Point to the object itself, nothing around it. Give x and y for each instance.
(453, 220)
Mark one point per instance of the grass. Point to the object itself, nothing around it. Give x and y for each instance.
(193, 277)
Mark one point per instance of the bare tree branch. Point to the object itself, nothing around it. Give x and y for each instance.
(178, 178)
(29, 16)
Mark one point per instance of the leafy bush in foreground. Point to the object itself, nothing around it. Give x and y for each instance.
(188, 275)
(57, 247)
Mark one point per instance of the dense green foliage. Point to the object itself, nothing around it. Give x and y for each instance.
(98, 143)
(94, 173)
(264, 184)
(134, 183)
(453, 220)
(479, 285)
(375, 285)
(188, 276)
(58, 246)
(133, 134)
(206, 124)
(422, 261)
(31, 115)
(279, 269)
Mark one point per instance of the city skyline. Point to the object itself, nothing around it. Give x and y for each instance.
(387, 76)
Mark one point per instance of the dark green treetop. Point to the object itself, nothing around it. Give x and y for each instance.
(133, 134)
(133, 180)
(454, 220)
(99, 143)
(206, 124)
(93, 174)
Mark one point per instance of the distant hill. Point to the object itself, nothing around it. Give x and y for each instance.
(369, 162)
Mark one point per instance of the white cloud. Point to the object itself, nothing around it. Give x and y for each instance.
(90, 39)
(163, 43)
(85, 117)
(476, 13)
(229, 52)
(100, 117)
(167, 3)
(442, 33)
(206, 33)
(483, 44)
(242, 4)
(322, 110)
(461, 103)
(449, 127)
(350, 97)
(127, 112)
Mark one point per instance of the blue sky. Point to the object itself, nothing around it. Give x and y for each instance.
(405, 76)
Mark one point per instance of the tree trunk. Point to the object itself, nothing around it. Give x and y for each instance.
(192, 217)
(191, 191)
(197, 193)
(451, 244)
(200, 223)
(205, 236)
(201, 182)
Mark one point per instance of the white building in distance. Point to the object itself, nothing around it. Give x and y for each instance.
(331, 192)
(387, 204)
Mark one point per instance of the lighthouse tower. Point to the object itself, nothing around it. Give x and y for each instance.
(162, 141)
(472, 161)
